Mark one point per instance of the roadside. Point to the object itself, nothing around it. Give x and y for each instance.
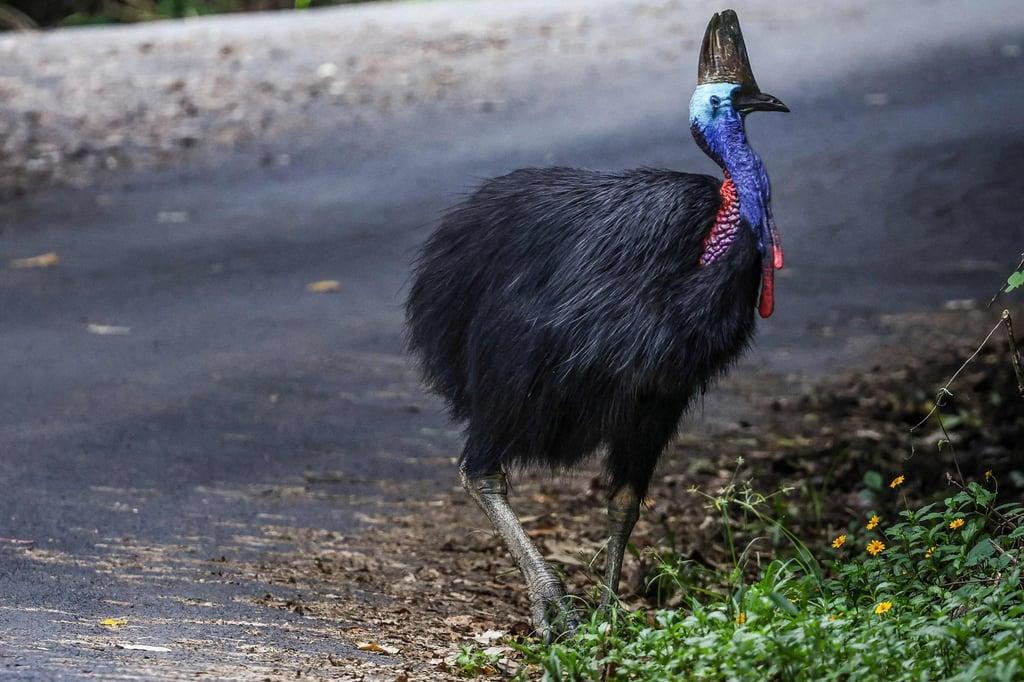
(427, 577)
(72, 111)
(77, 105)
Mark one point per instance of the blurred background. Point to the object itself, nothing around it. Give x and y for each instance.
(206, 225)
(29, 14)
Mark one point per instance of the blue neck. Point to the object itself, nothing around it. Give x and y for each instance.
(729, 148)
(721, 134)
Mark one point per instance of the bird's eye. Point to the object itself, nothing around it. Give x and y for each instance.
(715, 101)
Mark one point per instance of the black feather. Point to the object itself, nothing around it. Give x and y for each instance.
(561, 310)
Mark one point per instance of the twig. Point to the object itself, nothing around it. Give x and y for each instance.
(1002, 552)
(944, 392)
(1014, 353)
(1002, 287)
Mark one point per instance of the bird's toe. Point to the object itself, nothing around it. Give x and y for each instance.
(554, 614)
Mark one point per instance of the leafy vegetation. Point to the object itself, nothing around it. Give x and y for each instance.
(24, 14)
(935, 593)
(471, 662)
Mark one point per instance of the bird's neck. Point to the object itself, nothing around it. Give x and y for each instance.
(745, 198)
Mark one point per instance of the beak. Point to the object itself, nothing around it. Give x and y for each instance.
(745, 101)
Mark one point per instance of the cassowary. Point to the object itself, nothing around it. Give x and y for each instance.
(561, 312)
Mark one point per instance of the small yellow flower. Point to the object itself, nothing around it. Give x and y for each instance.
(956, 523)
(873, 522)
(876, 547)
(989, 474)
(883, 608)
(741, 618)
(838, 542)
(928, 552)
(897, 482)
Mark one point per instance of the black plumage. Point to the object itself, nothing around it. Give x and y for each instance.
(560, 310)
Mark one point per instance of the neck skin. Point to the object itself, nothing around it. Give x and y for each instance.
(725, 141)
(721, 134)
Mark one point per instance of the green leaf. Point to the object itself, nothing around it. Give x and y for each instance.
(873, 480)
(1015, 281)
(982, 550)
(783, 603)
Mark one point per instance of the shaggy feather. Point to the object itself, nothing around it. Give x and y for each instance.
(560, 310)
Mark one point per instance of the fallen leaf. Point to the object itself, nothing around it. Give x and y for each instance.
(142, 647)
(44, 260)
(172, 217)
(377, 648)
(114, 623)
(324, 286)
(108, 330)
(488, 637)
(565, 552)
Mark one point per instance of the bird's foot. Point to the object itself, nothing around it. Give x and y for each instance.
(609, 602)
(553, 612)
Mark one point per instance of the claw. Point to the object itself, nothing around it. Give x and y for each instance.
(553, 612)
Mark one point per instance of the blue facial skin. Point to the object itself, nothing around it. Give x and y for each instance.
(720, 132)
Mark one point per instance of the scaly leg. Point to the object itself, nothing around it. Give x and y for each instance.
(551, 610)
(623, 512)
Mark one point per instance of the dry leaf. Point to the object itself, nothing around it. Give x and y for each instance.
(377, 648)
(488, 637)
(114, 623)
(565, 552)
(462, 621)
(324, 286)
(142, 647)
(108, 330)
(45, 260)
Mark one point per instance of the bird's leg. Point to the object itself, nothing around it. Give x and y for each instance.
(551, 609)
(623, 511)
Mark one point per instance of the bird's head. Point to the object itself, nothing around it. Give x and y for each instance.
(726, 92)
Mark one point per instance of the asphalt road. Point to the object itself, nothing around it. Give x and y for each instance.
(233, 398)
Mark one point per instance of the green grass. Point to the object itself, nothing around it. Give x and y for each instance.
(943, 600)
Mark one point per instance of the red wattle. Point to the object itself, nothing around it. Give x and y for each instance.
(777, 256)
(767, 304)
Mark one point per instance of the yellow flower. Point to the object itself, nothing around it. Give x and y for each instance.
(883, 608)
(928, 552)
(873, 522)
(838, 542)
(876, 547)
(897, 482)
(741, 618)
(956, 523)
(989, 474)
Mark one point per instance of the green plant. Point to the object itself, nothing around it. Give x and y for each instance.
(941, 598)
(472, 661)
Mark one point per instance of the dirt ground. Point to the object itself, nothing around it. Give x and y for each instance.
(431, 577)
